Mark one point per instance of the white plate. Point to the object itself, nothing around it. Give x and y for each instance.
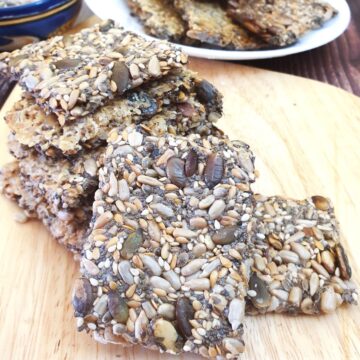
(119, 11)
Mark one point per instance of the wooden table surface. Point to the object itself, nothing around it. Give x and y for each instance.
(304, 145)
(337, 63)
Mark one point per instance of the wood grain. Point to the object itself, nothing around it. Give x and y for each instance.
(306, 137)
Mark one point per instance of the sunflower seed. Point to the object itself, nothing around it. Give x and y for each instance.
(140, 325)
(135, 139)
(289, 256)
(328, 261)
(90, 267)
(102, 220)
(314, 283)
(206, 202)
(198, 284)
(216, 209)
(149, 310)
(163, 210)
(299, 249)
(160, 283)
(193, 266)
(328, 301)
(143, 179)
(173, 279)
(199, 250)
(198, 223)
(210, 267)
(154, 66)
(319, 269)
(124, 271)
(124, 191)
(151, 264)
(184, 233)
(295, 296)
(236, 313)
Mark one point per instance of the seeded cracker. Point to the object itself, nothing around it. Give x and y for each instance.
(280, 22)
(68, 227)
(208, 23)
(64, 186)
(178, 103)
(159, 18)
(300, 265)
(64, 183)
(73, 75)
(163, 266)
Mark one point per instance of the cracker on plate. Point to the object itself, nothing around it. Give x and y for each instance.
(209, 24)
(159, 18)
(280, 22)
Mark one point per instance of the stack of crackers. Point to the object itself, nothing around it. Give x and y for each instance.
(231, 24)
(117, 153)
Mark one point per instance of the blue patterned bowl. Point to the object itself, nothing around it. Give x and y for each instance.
(23, 24)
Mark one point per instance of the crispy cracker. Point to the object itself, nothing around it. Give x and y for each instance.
(280, 22)
(209, 24)
(159, 18)
(190, 104)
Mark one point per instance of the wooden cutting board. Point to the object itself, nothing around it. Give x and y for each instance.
(306, 136)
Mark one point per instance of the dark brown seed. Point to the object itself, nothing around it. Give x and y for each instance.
(191, 163)
(118, 308)
(206, 92)
(320, 202)
(214, 170)
(344, 266)
(184, 312)
(186, 109)
(132, 244)
(175, 170)
(225, 235)
(66, 63)
(90, 318)
(82, 297)
(121, 76)
(263, 297)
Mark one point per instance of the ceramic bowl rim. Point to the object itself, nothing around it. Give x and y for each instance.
(32, 8)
